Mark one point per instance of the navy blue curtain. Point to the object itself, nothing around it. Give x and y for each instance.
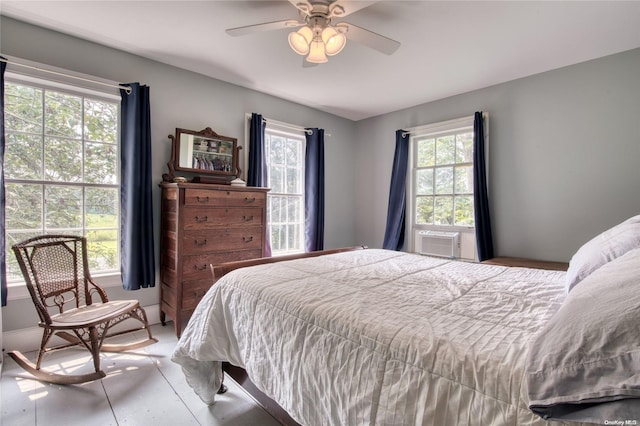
(257, 170)
(3, 260)
(484, 239)
(136, 207)
(394, 232)
(314, 190)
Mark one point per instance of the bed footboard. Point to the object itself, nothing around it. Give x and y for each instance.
(224, 268)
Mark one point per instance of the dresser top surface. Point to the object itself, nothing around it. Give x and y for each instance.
(210, 186)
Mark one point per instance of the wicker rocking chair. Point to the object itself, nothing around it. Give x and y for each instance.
(71, 305)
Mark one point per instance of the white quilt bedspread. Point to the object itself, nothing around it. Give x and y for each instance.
(375, 337)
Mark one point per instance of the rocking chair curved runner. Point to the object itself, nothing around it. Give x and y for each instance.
(71, 305)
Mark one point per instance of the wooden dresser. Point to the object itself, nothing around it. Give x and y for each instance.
(203, 224)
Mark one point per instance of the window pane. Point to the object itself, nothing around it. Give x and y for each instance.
(426, 152)
(276, 151)
(275, 209)
(292, 152)
(444, 180)
(102, 249)
(23, 157)
(276, 179)
(293, 180)
(424, 210)
(445, 149)
(63, 115)
(443, 213)
(294, 209)
(23, 108)
(13, 269)
(424, 182)
(464, 211)
(293, 240)
(23, 207)
(464, 179)
(278, 237)
(101, 208)
(464, 148)
(101, 161)
(63, 160)
(63, 207)
(100, 121)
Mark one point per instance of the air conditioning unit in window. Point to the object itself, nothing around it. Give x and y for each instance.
(437, 243)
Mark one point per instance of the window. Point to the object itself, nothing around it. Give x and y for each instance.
(441, 184)
(61, 169)
(285, 210)
(444, 179)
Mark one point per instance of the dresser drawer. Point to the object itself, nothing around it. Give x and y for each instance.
(205, 217)
(203, 197)
(224, 239)
(197, 266)
(193, 292)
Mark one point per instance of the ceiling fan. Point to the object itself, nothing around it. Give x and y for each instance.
(319, 36)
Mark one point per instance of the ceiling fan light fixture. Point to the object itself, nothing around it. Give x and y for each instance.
(300, 40)
(334, 41)
(317, 52)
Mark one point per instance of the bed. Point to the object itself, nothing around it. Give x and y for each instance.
(389, 338)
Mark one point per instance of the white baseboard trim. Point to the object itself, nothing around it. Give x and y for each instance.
(28, 339)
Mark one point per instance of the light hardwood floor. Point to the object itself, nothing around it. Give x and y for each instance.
(142, 387)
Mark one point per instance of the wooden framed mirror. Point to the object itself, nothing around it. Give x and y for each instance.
(210, 156)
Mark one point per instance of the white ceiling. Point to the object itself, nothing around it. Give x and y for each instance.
(448, 47)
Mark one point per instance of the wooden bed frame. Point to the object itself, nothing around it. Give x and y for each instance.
(239, 374)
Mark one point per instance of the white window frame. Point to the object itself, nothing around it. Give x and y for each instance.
(286, 130)
(439, 128)
(69, 85)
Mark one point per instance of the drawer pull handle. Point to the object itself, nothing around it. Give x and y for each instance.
(202, 219)
(247, 239)
(198, 294)
(202, 199)
(201, 268)
(250, 200)
(201, 243)
(247, 218)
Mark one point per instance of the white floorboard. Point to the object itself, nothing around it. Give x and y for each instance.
(142, 387)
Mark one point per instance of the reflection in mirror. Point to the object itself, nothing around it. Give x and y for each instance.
(205, 154)
(213, 157)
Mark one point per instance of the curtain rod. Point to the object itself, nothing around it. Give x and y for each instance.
(127, 89)
(288, 126)
(416, 134)
(449, 125)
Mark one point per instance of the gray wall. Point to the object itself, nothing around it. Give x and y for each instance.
(184, 99)
(564, 153)
(564, 145)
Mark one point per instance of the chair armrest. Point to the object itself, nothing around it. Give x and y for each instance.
(93, 288)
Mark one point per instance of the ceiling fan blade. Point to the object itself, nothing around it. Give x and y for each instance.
(302, 5)
(369, 38)
(348, 7)
(267, 26)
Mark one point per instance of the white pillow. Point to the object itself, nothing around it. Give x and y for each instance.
(583, 365)
(602, 249)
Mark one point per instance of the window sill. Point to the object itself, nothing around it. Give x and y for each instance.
(19, 290)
